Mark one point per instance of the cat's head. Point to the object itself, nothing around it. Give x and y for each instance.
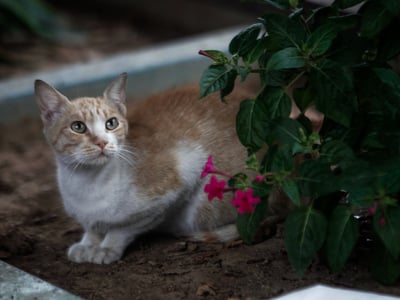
(85, 131)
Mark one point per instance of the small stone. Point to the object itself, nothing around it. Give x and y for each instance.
(177, 247)
(205, 290)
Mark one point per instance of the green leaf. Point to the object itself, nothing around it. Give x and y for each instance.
(255, 53)
(261, 189)
(303, 97)
(288, 58)
(282, 160)
(358, 180)
(305, 231)
(286, 131)
(268, 159)
(248, 224)
(277, 102)
(214, 78)
(289, 186)
(343, 233)
(315, 179)
(389, 178)
(375, 17)
(275, 78)
(319, 42)
(217, 56)
(246, 40)
(390, 79)
(230, 83)
(251, 124)
(389, 232)
(344, 22)
(389, 44)
(283, 32)
(239, 181)
(348, 48)
(384, 267)
(334, 86)
(336, 152)
(379, 90)
(392, 5)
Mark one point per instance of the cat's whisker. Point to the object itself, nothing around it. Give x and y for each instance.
(76, 162)
(126, 155)
(127, 159)
(128, 149)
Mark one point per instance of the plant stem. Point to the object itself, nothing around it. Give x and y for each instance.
(295, 80)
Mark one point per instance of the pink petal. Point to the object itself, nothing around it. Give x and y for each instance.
(208, 167)
(215, 188)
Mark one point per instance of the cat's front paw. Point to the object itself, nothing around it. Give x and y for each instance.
(81, 253)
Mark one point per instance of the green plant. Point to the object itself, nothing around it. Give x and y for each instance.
(338, 62)
(32, 16)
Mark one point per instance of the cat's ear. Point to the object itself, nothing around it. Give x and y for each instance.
(116, 92)
(50, 101)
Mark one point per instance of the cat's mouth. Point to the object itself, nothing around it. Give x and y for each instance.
(94, 157)
(99, 158)
(103, 155)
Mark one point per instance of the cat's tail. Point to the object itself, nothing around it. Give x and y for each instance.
(229, 233)
(225, 233)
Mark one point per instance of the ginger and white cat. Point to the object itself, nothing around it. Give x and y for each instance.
(122, 174)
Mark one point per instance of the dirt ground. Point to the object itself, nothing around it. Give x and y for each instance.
(35, 232)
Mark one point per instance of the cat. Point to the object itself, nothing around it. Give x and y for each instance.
(122, 174)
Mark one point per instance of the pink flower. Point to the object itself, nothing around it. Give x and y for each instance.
(245, 201)
(371, 210)
(259, 178)
(208, 167)
(215, 188)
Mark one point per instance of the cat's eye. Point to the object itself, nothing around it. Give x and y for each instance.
(78, 127)
(112, 123)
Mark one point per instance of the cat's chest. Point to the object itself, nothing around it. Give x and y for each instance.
(97, 193)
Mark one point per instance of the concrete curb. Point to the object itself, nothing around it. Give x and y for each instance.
(150, 70)
(17, 284)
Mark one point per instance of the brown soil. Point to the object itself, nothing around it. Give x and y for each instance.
(35, 233)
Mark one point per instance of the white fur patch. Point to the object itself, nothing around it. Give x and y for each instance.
(191, 159)
(98, 193)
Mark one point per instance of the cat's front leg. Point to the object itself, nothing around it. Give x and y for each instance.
(106, 251)
(82, 251)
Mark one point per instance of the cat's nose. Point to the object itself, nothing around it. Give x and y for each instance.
(101, 144)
